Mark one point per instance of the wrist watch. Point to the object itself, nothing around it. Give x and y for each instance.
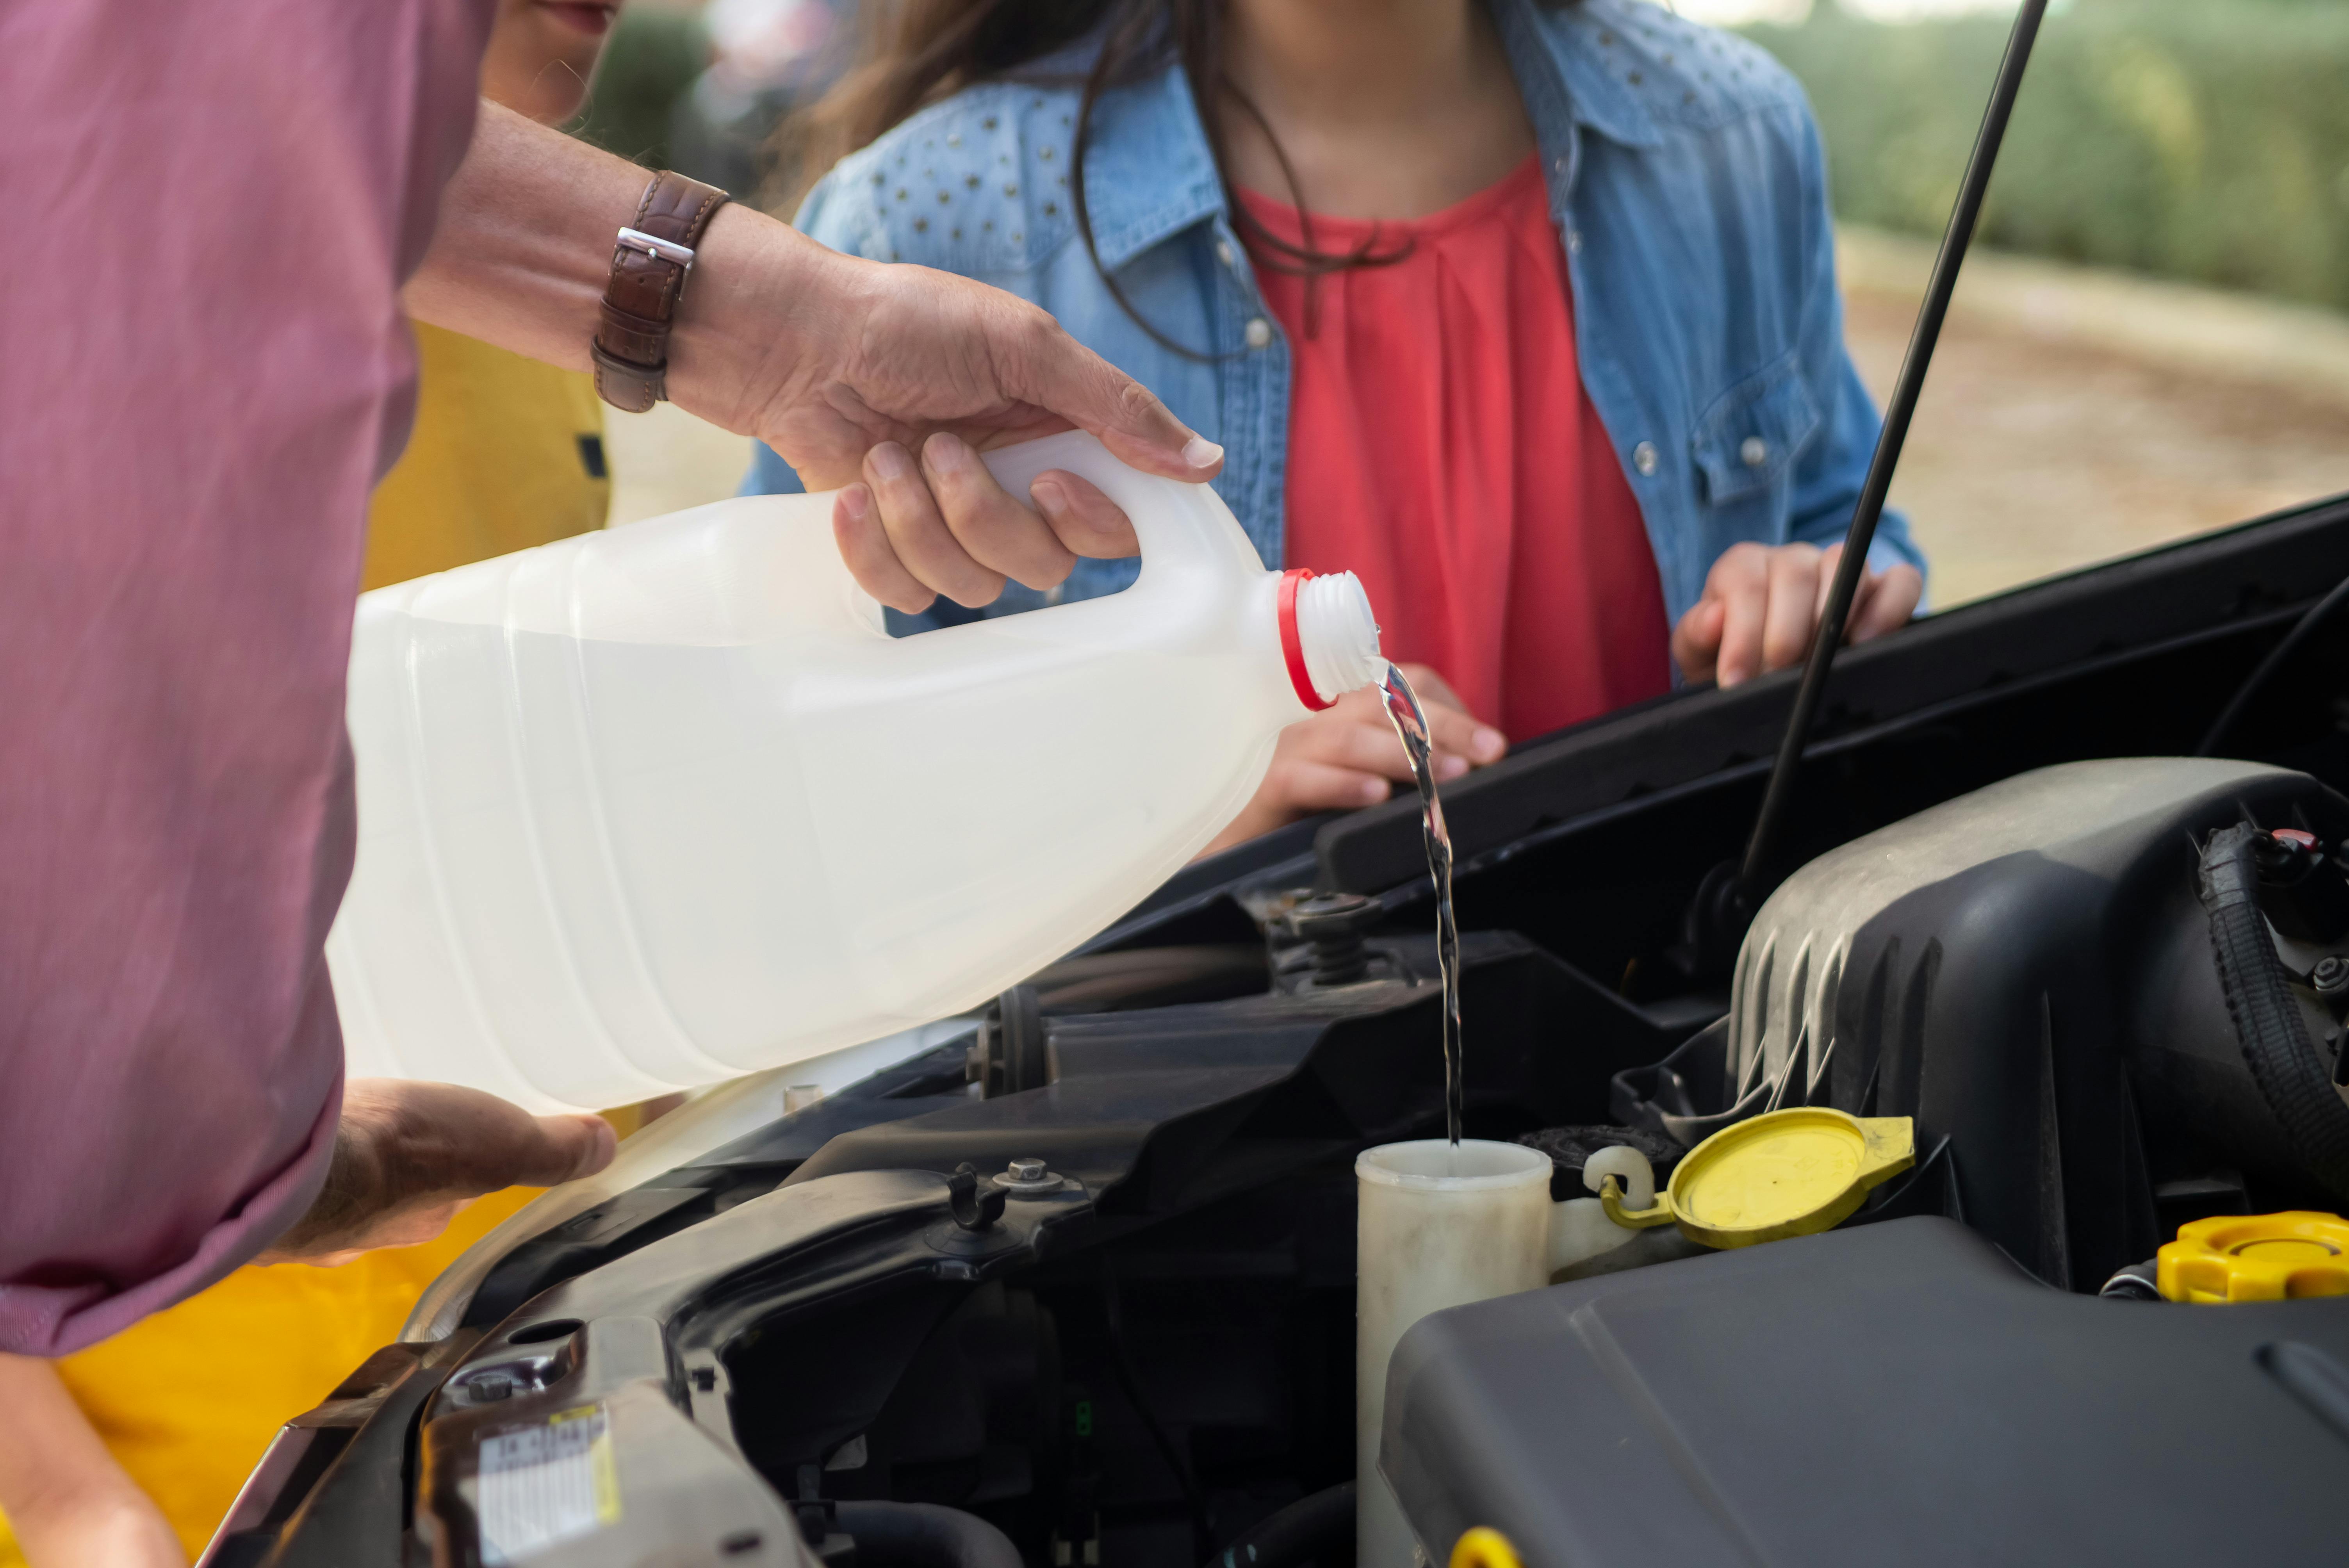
(653, 258)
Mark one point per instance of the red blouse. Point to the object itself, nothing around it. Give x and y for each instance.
(1441, 447)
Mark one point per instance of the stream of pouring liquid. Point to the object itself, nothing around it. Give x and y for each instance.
(1409, 723)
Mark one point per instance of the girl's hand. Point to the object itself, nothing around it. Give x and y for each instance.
(1761, 605)
(1348, 756)
(69, 1503)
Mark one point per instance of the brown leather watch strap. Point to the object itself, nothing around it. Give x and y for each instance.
(649, 266)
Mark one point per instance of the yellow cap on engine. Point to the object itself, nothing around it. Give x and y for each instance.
(1792, 1173)
(2256, 1257)
(1483, 1547)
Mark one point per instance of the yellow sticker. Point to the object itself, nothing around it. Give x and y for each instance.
(605, 1471)
(544, 1485)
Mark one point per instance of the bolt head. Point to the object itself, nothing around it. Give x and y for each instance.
(1333, 914)
(2332, 972)
(1026, 1171)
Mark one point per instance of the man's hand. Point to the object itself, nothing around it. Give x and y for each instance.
(894, 389)
(910, 531)
(407, 1156)
(827, 357)
(1761, 605)
(1348, 756)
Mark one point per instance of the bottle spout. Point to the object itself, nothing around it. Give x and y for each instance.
(1630, 1167)
(1582, 1228)
(1328, 637)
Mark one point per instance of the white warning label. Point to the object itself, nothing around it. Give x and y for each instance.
(544, 1485)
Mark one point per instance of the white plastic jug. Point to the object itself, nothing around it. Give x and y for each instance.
(653, 807)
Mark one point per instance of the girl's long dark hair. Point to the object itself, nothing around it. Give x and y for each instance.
(915, 52)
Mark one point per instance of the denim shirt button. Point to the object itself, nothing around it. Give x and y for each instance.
(1754, 451)
(1224, 252)
(1259, 333)
(1574, 241)
(1643, 457)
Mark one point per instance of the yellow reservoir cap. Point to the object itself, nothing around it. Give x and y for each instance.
(1483, 1547)
(1792, 1172)
(2256, 1257)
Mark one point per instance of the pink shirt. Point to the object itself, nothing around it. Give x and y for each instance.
(203, 370)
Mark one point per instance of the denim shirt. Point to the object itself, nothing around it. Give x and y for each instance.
(1688, 189)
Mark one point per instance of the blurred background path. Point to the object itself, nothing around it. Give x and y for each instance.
(2073, 414)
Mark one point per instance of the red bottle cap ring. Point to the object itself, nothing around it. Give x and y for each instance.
(1292, 646)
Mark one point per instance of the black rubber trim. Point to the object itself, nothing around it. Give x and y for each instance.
(2283, 1059)
(924, 1535)
(1318, 1528)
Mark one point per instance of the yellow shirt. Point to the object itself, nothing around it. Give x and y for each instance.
(187, 1399)
(507, 453)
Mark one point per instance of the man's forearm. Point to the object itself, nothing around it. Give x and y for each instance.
(523, 250)
(523, 243)
(828, 358)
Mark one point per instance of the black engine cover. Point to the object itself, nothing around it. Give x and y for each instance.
(1895, 1394)
(2029, 972)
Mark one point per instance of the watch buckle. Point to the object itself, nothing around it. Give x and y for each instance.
(653, 245)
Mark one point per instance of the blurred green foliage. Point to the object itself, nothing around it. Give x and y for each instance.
(649, 61)
(2206, 139)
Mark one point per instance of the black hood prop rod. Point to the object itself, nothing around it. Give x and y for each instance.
(1730, 895)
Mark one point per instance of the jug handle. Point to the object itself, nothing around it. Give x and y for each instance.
(1178, 524)
(1186, 531)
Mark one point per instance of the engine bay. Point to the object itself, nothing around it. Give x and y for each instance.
(1083, 1268)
